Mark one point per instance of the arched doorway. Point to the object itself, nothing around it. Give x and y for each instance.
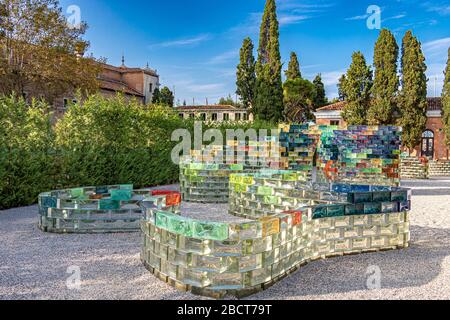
(428, 144)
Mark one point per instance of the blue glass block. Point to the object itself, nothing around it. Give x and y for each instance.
(49, 202)
(101, 190)
(107, 204)
(372, 208)
(121, 195)
(405, 206)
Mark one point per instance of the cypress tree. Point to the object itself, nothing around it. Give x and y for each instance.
(413, 97)
(446, 100)
(386, 81)
(293, 71)
(357, 87)
(320, 98)
(246, 77)
(269, 88)
(341, 86)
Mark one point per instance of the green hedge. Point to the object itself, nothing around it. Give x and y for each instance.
(103, 141)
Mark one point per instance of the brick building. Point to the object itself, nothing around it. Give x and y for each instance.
(433, 143)
(216, 113)
(138, 83)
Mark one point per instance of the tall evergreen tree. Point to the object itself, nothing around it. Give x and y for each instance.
(269, 87)
(320, 98)
(386, 81)
(357, 87)
(156, 96)
(341, 86)
(413, 97)
(166, 97)
(246, 77)
(446, 100)
(293, 71)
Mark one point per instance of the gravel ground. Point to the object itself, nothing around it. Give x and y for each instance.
(34, 265)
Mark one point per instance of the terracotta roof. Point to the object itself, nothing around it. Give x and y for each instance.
(123, 69)
(208, 108)
(434, 104)
(118, 86)
(334, 107)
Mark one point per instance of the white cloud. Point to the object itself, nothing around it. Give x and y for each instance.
(330, 80)
(287, 19)
(399, 16)
(182, 42)
(442, 10)
(361, 17)
(437, 47)
(224, 57)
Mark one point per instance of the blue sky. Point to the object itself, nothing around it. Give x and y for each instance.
(195, 44)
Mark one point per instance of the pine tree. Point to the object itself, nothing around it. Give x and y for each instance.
(299, 97)
(357, 86)
(320, 98)
(341, 86)
(413, 97)
(293, 71)
(386, 81)
(246, 77)
(446, 100)
(269, 87)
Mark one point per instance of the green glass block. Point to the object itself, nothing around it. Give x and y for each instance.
(210, 231)
(271, 200)
(48, 202)
(162, 220)
(336, 211)
(362, 197)
(121, 195)
(381, 196)
(180, 225)
(319, 211)
(399, 196)
(354, 209)
(77, 193)
(236, 167)
(372, 208)
(196, 166)
(126, 186)
(101, 190)
(107, 204)
(265, 191)
(389, 207)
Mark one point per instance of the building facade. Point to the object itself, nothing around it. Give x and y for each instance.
(433, 144)
(133, 83)
(215, 113)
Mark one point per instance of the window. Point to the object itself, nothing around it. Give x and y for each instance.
(203, 116)
(334, 122)
(66, 103)
(214, 117)
(245, 117)
(150, 87)
(226, 117)
(191, 115)
(237, 116)
(74, 101)
(181, 115)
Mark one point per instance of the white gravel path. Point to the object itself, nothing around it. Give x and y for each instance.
(33, 265)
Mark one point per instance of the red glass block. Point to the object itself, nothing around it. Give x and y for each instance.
(173, 198)
(296, 216)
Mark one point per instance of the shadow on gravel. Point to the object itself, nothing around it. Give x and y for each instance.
(412, 267)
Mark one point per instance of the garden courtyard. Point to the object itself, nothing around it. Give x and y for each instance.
(34, 265)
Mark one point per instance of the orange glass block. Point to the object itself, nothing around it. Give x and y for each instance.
(270, 226)
(173, 198)
(296, 216)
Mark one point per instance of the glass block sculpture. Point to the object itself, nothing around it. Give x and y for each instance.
(277, 222)
(99, 209)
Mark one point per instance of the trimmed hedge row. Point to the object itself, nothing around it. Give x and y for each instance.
(104, 141)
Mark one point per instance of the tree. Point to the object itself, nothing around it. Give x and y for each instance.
(413, 97)
(166, 97)
(228, 101)
(446, 100)
(293, 71)
(386, 81)
(41, 54)
(357, 86)
(246, 77)
(320, 98)
(269, 87)
(298, 100)
(341, 86)
(156, 99)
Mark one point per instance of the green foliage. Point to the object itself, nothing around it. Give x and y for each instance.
(320, 98)
(413, 98)
(357, 87)
(293, 71)
(269, 87)
(245, 75)
(26, 151)
(228, 101)
(163, 97)
(446, 100)
(386, 81)
(298, 100)
(341, 88)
